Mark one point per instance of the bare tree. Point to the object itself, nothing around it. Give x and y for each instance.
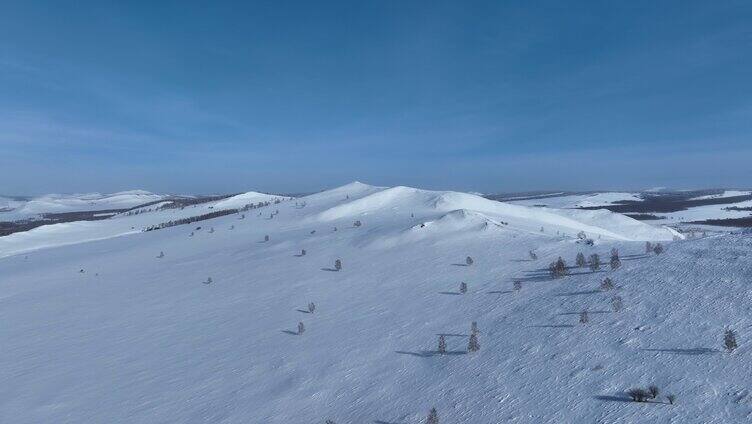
(311, 307)
(338, 264)
(729, 341)
(463, 287)
(558, 268)
(433, 417)
(442, 344)
(615, 261)
(584, 317)
(473, 345)
(469, 261)
(580, 261)
(638, 395)
(301, 328)
(595, 262)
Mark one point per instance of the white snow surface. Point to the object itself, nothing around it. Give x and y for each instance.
(140, 339)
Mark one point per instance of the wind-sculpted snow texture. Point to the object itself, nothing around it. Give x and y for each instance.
(111, 331)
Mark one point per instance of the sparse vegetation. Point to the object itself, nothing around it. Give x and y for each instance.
(433, 417)
(580, 261)
(638, 395)
(729, 341)
(617, 304)
(615, 261)
(473, 345)
(558, 269)
(595, 262)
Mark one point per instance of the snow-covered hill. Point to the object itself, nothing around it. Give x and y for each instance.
(105, 331)
(59, 203)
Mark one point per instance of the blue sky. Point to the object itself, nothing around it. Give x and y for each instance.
(298, 96)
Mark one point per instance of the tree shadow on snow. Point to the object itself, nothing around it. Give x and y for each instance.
(521, 260)
(452, 293)
(452, 335)
(330, 269)
(385, 422)
(460, 265)
(691, 351)
(431, 353)
(303, 311)
(500, 291)
(613, 398)
(577, 293)
(292, 333)
(552, 326)
(298, 255)
(589, 312)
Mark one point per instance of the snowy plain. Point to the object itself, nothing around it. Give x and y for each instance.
(139, 339)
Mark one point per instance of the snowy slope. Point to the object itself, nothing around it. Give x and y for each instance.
(139, 339)
(57, 203)
(580, 200)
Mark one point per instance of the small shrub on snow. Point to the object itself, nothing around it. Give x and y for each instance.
(607, 285)
(463, 287)
(311, 307)
(338, 264)
(729, 341)
(670, 399)
(517, 286)
(301, 328)
(533, 256)
(469, 261)
(584, 317)
(648, 247)
(266, 237)
(433, 417)
(653, 390)
(442, 345)
(615, 261)
(303, 252)
(658, 249)
(474, 328)
(161, 254)
(473, 345)
(357, 223)
(617, 304)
